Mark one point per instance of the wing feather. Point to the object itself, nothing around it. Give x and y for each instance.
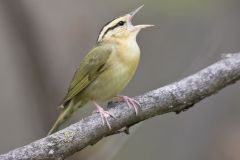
(90, 68)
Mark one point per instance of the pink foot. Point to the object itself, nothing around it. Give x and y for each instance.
(130, 102)
(104, 115)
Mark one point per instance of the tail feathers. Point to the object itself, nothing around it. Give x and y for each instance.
(63, 117)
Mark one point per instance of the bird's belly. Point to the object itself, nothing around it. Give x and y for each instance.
(109, 83)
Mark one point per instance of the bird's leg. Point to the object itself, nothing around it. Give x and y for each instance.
(132, 103)
(104, 114)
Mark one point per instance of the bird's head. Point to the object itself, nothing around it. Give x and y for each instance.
(121, 28)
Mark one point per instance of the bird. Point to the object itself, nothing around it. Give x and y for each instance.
(105, 71)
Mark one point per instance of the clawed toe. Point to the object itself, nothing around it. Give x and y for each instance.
(130, 102)
(104, 115)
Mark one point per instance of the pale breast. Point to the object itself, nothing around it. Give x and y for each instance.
(114, 79)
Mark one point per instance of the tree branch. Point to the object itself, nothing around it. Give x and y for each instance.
(175, 97)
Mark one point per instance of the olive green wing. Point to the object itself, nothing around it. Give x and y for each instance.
(92, 65)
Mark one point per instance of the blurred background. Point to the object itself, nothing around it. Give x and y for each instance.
(42, 43)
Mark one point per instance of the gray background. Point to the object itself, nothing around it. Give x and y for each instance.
(42, 42)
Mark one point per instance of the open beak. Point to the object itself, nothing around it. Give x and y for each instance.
(137, 27)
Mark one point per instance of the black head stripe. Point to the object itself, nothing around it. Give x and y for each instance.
(110, 28)
(106, 25)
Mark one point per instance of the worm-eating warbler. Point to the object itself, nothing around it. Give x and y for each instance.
(105, 70)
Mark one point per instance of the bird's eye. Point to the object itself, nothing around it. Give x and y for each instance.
(120, 23)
